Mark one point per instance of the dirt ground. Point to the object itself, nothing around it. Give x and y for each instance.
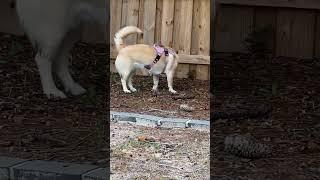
(173, 153)
(164, 104)
(72, 130)
(291, 88)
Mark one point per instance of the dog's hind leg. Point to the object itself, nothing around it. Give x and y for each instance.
(130, 83)
(62, 62)
(44, 63)
(170, 69)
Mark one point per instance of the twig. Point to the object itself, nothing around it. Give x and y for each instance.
(152, 109)
(183, 97)
(47, 137)
(82, 140)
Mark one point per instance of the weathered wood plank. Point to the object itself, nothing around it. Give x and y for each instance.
(112, 67)
(202, 72)
(157, 36)
(115, 21)
(182, 71)
(167, 23)
(295, 33)
(189, 59)
(317, 37)
(141, 19)
(132, 19)
(124, 13)
(200, 43)
(267, 17)
(194, 59)
(234, 25)
(301, 4)
(182, 26)
(150, 7)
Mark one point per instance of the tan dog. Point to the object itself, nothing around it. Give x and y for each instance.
(133, 57)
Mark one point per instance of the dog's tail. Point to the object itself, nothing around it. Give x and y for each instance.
(122, 33)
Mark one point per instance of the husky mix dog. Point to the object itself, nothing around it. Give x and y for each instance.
(53, 27)
(143, 56)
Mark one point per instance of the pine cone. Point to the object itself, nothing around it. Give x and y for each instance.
(185, 107)
(246, 146)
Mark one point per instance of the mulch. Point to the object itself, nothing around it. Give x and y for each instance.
(192, 93)
(289, 88)
(74, 129)
(33, 127)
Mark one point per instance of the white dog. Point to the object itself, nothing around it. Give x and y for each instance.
(137, 56)
(53, 27)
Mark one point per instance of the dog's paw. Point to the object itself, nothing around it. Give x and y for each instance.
(55, 94)
(155, 92)
(127, 91)
(76, 90)
(173, 91)
(133, 89)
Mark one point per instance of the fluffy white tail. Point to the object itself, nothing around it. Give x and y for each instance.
(118, 37)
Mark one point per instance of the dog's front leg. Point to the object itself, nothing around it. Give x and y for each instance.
(44, 64)
(64, 75)
(61, 65)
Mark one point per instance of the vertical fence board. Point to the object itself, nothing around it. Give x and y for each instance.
(295, 33)
(182, 71)
(157, 36)
(124, 13)
(141, 19)
(267, 17)
(112, 67)
(234, 25)
(200, 42)
(202, 72)
(182, 26)
(132, 19)
(141, 25)
(167, 22)
(115, 22)
(182, 32)
(317, 37)
(149, 24)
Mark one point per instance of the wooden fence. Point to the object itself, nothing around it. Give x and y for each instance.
(295, 24)
(181, 24)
